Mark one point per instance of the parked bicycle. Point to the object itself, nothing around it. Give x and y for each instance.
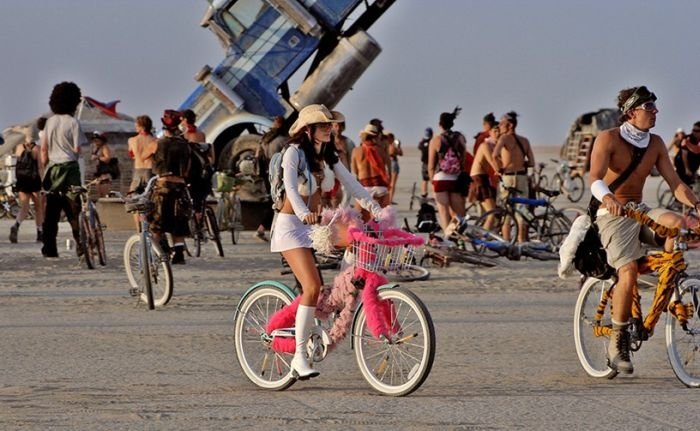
(205, 228)
(567, 180)
(91, 229)
(490, 244)
(676, 293)
(228, 207)
(392, 332)
(9, 204)
(539, 179)
(548, 225)
(147, 265)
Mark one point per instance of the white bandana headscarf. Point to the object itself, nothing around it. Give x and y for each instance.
(634, 136)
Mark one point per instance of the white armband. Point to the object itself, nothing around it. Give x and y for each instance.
(599, 189)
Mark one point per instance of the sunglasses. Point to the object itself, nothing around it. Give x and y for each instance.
(696, 130)
(647, 106)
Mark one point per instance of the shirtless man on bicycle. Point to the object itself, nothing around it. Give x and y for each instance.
(613, 152)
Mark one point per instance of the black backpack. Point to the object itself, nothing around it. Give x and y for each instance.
(27, 168)
(201, 170)
(427, 218)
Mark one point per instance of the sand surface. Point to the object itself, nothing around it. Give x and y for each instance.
(78, 353)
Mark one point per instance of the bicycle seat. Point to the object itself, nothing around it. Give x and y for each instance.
(78, 189)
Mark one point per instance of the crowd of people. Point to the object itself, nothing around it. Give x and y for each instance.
(322, 167)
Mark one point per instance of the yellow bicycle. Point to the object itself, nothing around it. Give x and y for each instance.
(676, 293)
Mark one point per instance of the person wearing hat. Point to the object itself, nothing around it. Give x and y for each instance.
(102, 154)
(423, 145)
(615, 150)
(173, 207)
(368, 164)
(310, 165)
(60, 151)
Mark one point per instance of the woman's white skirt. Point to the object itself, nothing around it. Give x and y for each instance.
(288, 232)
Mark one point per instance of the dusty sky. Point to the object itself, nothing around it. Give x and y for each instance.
(550, 60)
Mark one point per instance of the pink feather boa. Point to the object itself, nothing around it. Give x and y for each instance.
(342, 297)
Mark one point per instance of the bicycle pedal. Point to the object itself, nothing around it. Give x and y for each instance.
(134, 291)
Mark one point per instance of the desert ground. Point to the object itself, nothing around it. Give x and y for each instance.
(78, 353)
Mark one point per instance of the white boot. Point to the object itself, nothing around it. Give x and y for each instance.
(302, 330)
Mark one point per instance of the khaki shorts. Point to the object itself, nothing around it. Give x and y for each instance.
(622, 237)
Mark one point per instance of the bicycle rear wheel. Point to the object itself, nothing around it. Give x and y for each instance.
(683, 345)
(86, 242)
(99, 238)
(197, 239)
(399, 364)
(263, 366)
(500, 218)
(213, 230)
(576, 188)
(555, 230)
(592, 335)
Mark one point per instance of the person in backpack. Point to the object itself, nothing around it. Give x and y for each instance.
(171, 163)
(28, 186)
(630, 146)
(446, 155)
(513, 155)
(201, 163)
(309, 166)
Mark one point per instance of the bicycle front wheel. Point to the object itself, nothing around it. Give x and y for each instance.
(576, 188)
(158, 270)
(399, 364)
(213, 229)
(86, 242)
(99, 238)
(592, 332)
(263, 366)
(683, 344)
(197, 239)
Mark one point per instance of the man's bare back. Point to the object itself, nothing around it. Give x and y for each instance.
(143, 147)
(483, 159)
(361, 165)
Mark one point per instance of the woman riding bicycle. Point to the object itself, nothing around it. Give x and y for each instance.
(309, 166)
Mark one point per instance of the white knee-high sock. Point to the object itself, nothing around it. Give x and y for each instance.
(302, 327)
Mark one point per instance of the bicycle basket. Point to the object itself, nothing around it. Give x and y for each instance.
(381, 251)
(222, 182)
(142, 206)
